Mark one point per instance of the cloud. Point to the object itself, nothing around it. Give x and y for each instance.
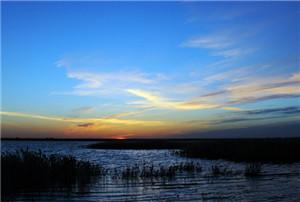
(246, 90)
(84, 120)
(233, 52)
(290, 129)
(213, 94)
(275, 113)
(89, 80)
(232, 75)
(125, 114)
(92, 83)
(263, 98)
(62, 63)
(161, 102)
(92, 80)
(260, 114)
(227, 44)
(84, 110)
(252, 89)
(85, 124)
(217, 41)
(232, 87)
(295, 77)
(259, 89)
(281, 110)
(233, 120)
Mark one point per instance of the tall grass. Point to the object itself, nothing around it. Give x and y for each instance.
(253, 169)
(151, 171)
(219, 170)
(30, 170)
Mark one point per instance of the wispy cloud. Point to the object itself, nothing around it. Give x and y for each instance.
(85, 124)
(233, 52)
(263, 98)
(216, 41)
(261, 114)
(158, 101)
(242, 119)
(227, 44)
(253, 89)
(246, 90)
(94, 80)
(84, 110)
(104, 120)
(279, 110)
(230, 75)
(252, 116)
(99, 83)
(62, 63)
(257, 89)
(132, 113)
(161, 102)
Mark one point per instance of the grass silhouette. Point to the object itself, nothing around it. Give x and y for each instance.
(150, 171)
(26, 170)
(253, 169)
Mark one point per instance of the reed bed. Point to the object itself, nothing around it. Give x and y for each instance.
(253, 169)
(30, 170)
(151, 171)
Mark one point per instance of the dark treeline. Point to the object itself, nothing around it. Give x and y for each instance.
(280, 150)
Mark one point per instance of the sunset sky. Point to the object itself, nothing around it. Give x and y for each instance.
(128, 69)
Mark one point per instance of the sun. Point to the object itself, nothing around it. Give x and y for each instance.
(120, 138)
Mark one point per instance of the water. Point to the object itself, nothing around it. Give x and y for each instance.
(278, 182)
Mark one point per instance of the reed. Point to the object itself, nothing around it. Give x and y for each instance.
(25, 170)
(217, 170)
(151, 171)
(253, 169)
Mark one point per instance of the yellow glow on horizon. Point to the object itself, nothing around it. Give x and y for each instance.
(120, 138)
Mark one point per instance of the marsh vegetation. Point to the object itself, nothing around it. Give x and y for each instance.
(126, 174)
(278, 150)
(253, 169)
(145, 171)
(26, 170)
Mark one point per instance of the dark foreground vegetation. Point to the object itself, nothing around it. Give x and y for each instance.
(146, 171)
(279, 150)
(253, 170)
(26, 170)
(31, 171)
(149, 171)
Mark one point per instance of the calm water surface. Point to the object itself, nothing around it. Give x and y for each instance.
(277, 183)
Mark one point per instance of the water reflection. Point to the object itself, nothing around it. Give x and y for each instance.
(276, 182)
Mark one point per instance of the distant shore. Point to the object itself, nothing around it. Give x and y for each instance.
(142, 139)
(279, 150)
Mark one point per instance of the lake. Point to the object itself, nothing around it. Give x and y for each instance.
(278, 182)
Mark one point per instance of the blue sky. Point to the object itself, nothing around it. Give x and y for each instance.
(148, 69)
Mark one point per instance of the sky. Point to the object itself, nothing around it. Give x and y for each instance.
(148, 69)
